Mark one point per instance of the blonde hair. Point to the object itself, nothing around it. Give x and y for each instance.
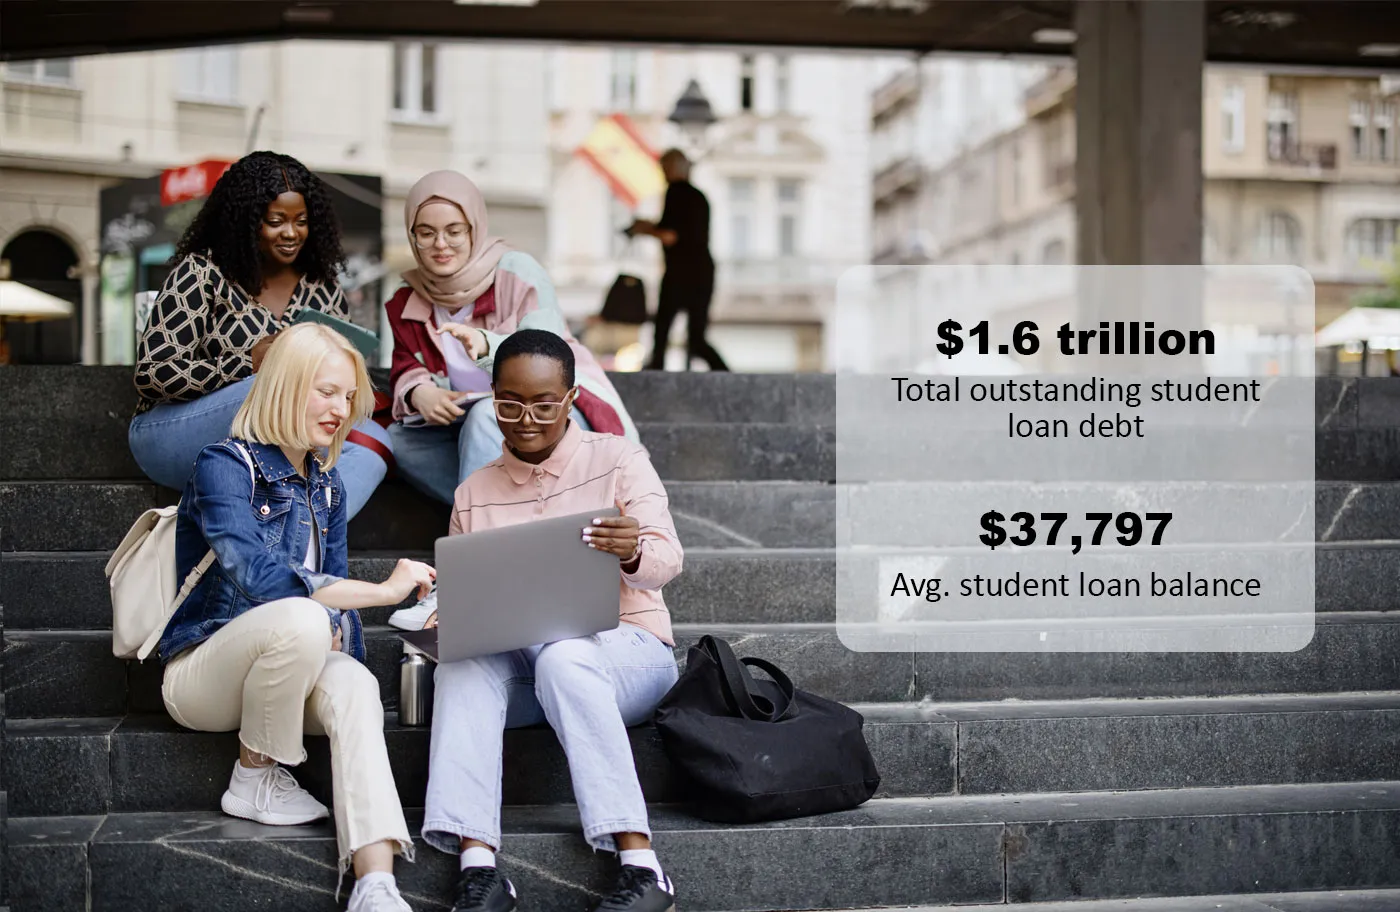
(275, 411)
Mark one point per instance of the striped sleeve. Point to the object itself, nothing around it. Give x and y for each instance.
(644, 498)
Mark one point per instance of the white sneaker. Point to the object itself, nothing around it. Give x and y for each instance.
(271, 797)
(414, 618)
(378, 896)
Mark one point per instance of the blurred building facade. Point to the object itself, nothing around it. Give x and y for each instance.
(1300, 168)
(784, 168)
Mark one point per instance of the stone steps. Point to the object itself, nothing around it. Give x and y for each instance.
(93, 516)
(75, 418)
(76, 422)
(1008, 778)
(145, 762)
(1312, 901)
(912, 851)
(72, 673)
(782, 451)
(57, 590)
(680, 452)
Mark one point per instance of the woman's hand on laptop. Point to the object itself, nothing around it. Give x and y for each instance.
(618, 535)
(431, 622)
(436, 405)
(410, 577)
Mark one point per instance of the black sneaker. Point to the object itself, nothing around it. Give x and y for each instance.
(484, 890)
(636, 890)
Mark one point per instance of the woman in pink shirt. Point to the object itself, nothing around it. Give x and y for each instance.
(589, 689)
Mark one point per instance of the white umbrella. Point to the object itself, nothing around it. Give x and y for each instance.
(21, 302)
(1379, 327)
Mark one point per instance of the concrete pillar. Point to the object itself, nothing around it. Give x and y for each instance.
(1138, 126)
(91, 308)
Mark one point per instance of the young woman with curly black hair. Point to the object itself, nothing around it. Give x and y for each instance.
(264, 248)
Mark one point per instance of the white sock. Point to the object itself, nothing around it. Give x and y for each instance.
(478, 857)
(643, 858)
(363, 883)
(249, 772)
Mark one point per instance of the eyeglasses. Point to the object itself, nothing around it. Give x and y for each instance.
(456, 235)
(510, 411)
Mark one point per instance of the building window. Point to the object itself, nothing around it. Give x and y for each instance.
(1059, 154)
(416, 79)
(55, 70)
(1232, 119)
(1360, 128)
(623, 94)
(1283, 125)
(619, 217)
(1054, 253)
(209, 74)
(1015, 174)
(789, 215)
(1385, 132)
(782, 83)
(1279, 238)
(1371, 238)
(746, 82)
(741, 203)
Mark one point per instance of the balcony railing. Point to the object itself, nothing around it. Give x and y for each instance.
(780, 272)
(1049, 91)
(900, 174)
(1059, 175)
(1315, 156)
(902, 85)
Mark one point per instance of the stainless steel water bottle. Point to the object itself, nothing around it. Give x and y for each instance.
(415, 689)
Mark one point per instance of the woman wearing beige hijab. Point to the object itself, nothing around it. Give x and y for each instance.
(469, 292)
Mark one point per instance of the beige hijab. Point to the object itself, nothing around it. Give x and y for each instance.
(479, 272)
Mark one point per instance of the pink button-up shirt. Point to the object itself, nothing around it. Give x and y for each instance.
(586, 471)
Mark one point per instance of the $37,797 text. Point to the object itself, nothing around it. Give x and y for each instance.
(1129, 526)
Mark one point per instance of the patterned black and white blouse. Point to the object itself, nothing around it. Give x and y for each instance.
(203, 326)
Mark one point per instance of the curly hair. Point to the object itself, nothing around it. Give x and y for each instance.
(227, 226)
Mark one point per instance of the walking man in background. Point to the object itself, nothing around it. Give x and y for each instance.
(689, 280)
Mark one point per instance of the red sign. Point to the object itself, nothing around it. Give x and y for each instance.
(190, 182)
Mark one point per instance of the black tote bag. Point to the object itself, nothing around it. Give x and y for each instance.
(754, 750)
(626, 301)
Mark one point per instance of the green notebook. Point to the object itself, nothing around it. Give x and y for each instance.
(366, 341)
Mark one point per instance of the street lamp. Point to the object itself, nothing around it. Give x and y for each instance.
(693, 113)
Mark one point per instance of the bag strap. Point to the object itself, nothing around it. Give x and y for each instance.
(739, 684)
(785, 687)
(191, 579)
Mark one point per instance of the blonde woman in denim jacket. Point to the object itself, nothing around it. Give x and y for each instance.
(269, 642)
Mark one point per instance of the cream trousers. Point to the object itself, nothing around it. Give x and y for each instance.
(270, 674)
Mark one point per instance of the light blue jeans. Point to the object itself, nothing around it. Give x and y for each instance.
(588, 689)
(436, 458)
(166, 440)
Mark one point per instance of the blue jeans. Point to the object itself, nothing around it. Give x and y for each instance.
(436, 458)
(166, 440)
(589, 689)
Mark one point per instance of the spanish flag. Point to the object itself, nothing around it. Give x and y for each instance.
(617, 151)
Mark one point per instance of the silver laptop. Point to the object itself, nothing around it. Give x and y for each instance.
(505, 589)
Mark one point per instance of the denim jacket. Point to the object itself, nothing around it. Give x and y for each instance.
(259, 524)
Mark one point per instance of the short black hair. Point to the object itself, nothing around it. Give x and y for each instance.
(226, 228)
(534, 342)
